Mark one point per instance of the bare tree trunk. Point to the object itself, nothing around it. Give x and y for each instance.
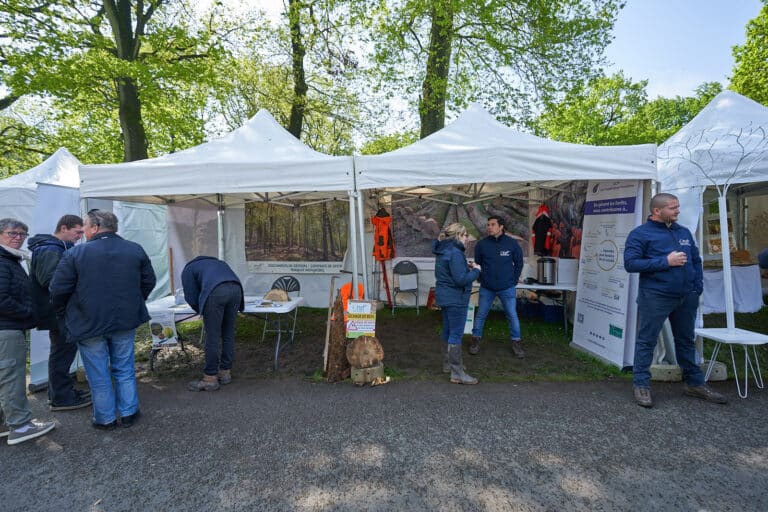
(7, 101)
(434, 88)
(324, 227)
(134, 137)
(128, 44)
(299, 101)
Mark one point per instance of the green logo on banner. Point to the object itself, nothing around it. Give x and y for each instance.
(614, 330)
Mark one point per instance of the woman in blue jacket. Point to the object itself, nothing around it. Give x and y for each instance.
(453, 284)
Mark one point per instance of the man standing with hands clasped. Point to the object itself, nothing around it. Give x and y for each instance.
(671, 280)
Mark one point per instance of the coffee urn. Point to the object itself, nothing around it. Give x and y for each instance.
(546, 271)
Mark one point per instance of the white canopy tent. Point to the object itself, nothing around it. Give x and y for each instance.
(476, 158)
(18, 194)
(259, 161)
(41, 195)
(721, 146)
(477, 149)
(725, 146)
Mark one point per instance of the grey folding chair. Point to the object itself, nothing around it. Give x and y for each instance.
(405, 279)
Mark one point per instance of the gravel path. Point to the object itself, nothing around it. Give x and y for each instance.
(288, 444)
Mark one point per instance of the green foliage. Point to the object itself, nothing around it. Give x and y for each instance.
(386, 143)
(67, 51)
(512, 56)
(750, 73)
(600, 112)
(21, 145)
(613, 110)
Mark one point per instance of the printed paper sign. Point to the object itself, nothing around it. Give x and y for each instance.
(361, 318)
(163, 329)
(470, 323)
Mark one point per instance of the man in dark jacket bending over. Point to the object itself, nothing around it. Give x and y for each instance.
(212, 289)
(671, 280)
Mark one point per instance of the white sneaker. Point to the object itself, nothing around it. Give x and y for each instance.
(30, 430)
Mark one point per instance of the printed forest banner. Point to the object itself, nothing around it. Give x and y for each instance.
(418, 222)
(309, 238)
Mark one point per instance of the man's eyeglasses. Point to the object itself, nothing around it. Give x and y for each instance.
(17, 234)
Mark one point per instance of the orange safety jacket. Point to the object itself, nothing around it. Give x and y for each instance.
(383, 241)
(346, 293)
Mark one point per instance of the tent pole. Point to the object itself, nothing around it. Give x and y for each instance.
(363, 254)
(353, 241)
(725, 250)
(220, 224)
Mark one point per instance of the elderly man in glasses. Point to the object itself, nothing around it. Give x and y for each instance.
(16, 316)
(100, 287)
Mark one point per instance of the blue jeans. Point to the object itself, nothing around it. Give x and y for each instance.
(653, 309)
(454, 320)
(14, 408)
(219, 315)
(508, 302)
(108, 357)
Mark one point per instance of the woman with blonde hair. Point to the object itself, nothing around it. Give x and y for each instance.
(453, 284)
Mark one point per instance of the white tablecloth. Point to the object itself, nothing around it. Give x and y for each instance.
(252, 305)
(747, 290)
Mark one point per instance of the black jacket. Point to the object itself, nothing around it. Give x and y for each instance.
(16, 307)
(201, 275)
(101, 286)
(46, 253)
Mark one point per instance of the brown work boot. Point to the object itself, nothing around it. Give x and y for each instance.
(704, 393)
(207, 383)
(474, 345)
(225, 377)
(643, 397)
(517, 349)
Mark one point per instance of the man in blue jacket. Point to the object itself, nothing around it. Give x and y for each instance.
(501, 258)
(47, 251)
(100, 288)
(214, 290)
(671, 280)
